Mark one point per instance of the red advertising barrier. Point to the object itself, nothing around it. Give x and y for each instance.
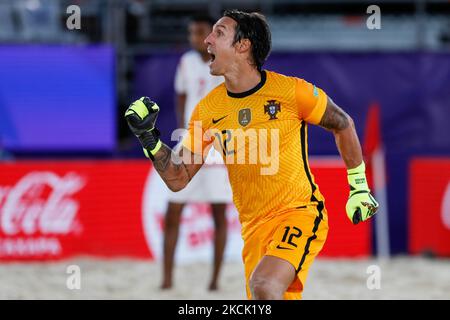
(344, 238)
(54, 210)
(429, 229)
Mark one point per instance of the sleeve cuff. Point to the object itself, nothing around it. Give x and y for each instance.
(319, 109)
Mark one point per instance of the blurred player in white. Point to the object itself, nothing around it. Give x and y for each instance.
(192, 82)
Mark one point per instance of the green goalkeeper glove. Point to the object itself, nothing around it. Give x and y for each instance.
(141, 116)
(361, 205)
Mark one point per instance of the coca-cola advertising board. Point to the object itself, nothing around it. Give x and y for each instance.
(52, 210)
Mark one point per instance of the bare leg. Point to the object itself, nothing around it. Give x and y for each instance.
(271, 278)
(220, 239)
(171, 228)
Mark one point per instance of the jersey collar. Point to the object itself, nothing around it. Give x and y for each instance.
(251, 91)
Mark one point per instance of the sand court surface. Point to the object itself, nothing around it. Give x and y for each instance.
(398, 278)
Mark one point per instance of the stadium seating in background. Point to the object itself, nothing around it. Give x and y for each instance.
(8, 28)
(350, 33)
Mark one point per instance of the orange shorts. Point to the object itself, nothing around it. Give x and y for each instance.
(296, 236)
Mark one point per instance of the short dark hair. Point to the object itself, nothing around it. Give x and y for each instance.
(252, 26)
(202, 18)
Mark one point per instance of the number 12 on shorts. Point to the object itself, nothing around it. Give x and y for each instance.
(288, 237)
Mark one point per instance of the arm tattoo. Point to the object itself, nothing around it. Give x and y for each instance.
(163, 163)
(334, 118)
(162, 158)
(187, 171)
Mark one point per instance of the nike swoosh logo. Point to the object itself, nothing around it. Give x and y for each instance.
(214, 121)
(278, 247)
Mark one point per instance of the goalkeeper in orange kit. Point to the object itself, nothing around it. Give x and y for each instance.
(282, 212)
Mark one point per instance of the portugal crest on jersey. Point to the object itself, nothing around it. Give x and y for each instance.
(272, 108)
(244, 117)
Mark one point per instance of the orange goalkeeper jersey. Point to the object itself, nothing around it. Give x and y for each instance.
(262, 136)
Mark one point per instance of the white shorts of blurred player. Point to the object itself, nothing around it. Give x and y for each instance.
(209, 185)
